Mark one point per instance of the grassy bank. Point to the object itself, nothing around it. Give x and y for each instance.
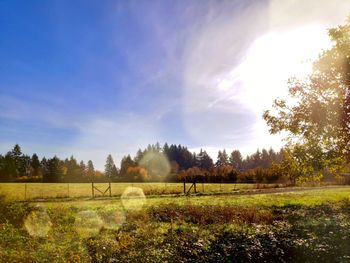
(301, 226)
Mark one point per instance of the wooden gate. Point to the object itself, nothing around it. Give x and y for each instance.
(94, 188)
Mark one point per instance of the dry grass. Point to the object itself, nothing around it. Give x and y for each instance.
(32, 191)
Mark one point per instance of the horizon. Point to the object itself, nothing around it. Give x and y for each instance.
(88, 79)
(145, 150)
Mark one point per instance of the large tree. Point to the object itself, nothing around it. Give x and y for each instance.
(90, 170)
(204, 161)
(111, 171)
(54, 172)
(35, 165)
(318, 115)
(236, 160)
(222, 159)
(73, 170)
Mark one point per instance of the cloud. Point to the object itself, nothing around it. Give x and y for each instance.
(197, 83)
(293, 13)
(238, 62)
(94, 135)
(118, 134)
(36, 111)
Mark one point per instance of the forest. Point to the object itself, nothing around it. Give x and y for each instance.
(155, 163)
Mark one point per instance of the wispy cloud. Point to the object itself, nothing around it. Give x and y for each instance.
(237, 63)
(198, 74)
(117, 134)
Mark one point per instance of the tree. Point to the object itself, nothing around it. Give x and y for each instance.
(204, 161)
(318, 116)
(193, 174)
(138, 174)
(294, 165)
(236, 160)
(44, 167)
(16, 153)
(138, 156)
(166, 150)
(90, 170)
(35, 164)
(224, 173)
(125, 163)
(222, 158)
(8, 168)
(54, 171)
(74, 171)
(111, 171)
(82, 167)
(14, 162)
(24, 167)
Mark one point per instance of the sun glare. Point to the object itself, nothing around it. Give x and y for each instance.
(271, 60)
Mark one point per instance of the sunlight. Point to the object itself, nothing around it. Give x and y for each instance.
(88, 223)
(38, 223)
(133, 198)
(271, 60)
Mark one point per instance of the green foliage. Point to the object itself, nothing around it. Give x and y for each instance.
(176, 232)
(236, 160)
(35, 164)
(73, 171)
(317, 119)
(222, 159)
(110, 168)
(54, 171)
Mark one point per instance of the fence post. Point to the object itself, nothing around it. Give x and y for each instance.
(184, 187)
(68, 189)
(110, 190)
(92, 190)
(25, 192)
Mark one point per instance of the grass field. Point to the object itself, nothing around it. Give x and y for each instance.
(311, 225)
(32, 191)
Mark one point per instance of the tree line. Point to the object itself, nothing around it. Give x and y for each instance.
(186, 165)
(171, 163)
(16, 166)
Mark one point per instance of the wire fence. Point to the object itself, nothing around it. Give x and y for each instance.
(37, 191)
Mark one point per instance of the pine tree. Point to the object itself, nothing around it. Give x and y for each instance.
(236, 160)
(54, 171)
(110, 168)
(222, 158)
(90, 170)
(35, 165)
(125, 163)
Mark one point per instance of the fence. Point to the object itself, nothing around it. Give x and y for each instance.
(37, 191)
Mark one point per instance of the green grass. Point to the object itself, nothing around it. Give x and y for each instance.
(308, 197)
(299, 226)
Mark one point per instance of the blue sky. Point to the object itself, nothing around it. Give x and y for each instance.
(88, 78)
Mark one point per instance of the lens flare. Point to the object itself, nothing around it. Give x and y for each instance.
(133, 198)
(157, 165)
(88, 223)
(114, 220)
(38, 223)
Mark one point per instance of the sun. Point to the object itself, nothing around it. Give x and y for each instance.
(271, 60)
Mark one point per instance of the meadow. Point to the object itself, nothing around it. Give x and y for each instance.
(34, 191)
(296, 226)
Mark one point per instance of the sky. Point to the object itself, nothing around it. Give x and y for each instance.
(91, 78)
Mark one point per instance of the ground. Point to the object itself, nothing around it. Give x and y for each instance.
(297, 225)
